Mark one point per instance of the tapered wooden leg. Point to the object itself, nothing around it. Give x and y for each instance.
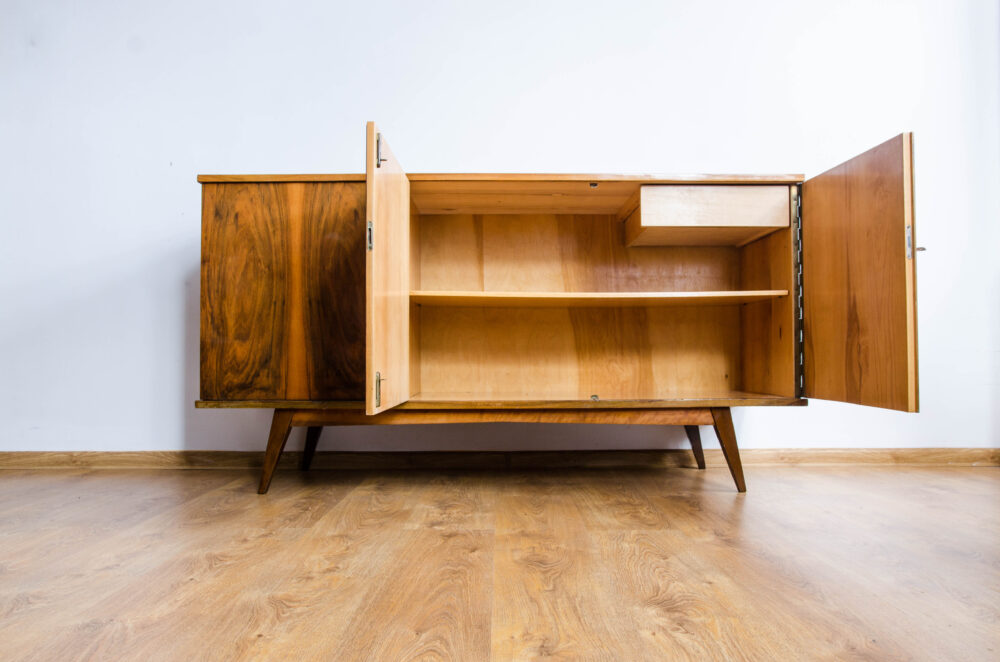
(281, 425)
(312, 438)
(727, 439)
(694, 436)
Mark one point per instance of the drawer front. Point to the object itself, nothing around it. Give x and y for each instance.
(707, 215)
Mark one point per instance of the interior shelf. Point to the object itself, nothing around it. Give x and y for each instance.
(590, 299)
(572, 400)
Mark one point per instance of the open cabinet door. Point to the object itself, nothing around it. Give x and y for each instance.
(859, 282)
(387, 278)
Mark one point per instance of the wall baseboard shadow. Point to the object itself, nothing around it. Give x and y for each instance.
(355, 461)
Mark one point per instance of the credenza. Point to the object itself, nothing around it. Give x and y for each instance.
(398, 298)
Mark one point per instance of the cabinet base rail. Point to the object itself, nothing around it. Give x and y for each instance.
(316, 419)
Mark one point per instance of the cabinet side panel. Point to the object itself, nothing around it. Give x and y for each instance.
(282, 300)
(768, 338)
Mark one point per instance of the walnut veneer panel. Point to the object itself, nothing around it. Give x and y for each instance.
(282, 291)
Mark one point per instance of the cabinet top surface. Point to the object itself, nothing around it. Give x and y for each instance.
(522, 177)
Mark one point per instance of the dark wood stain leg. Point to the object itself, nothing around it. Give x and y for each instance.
(281, 426)
(723, 419)
(694, 436)
(312, 438)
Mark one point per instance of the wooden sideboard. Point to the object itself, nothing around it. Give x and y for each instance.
(396, 298)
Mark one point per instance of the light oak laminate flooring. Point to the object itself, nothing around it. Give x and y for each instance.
(814, 563)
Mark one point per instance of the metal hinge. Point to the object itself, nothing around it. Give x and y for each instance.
(371, 236)
(378, 389)
(378, 150)
(800, 312)
(909, 243)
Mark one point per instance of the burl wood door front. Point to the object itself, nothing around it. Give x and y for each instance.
(282, 308)
(859, 280)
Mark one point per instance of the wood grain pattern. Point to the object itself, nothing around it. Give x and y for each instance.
(860, 311)
(768, 344)
(474, 193)
(489, 353)
(723, 423)
(590, 299)
(85, 460)
(312, 417)
(463, 401)
(281, 307)
(838, 563)
(223, 179)
(705, 215)
(560, 253)
(387, 283)
(281, 426)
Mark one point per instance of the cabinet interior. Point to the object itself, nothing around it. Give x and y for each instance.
(535, 305)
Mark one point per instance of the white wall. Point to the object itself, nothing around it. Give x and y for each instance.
(108, 110)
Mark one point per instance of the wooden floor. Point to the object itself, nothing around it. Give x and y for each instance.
(814, 563)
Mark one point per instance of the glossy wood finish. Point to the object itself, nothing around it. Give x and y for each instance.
(860, 298)
(199, 460)
(705, 215)
(285, 419)
(591, 299)
(282, 308)
(387, 284)
(820, 563)
(722, 419)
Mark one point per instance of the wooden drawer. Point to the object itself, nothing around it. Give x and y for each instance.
(705, 215)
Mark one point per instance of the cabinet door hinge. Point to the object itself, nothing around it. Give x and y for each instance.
(799, 313)
(371, 235)
(378, 389)
(378, 151)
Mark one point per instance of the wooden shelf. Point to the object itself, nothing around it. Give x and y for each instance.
(590, 299)
(566, 400)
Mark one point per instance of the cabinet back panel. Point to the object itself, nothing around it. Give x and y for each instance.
(559, 253)
(574, 353)
(282, 291)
